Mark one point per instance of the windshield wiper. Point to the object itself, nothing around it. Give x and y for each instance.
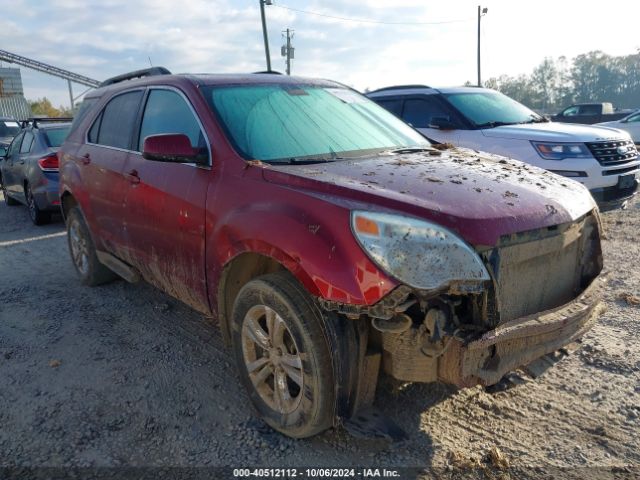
(538, 120)
(303, 160)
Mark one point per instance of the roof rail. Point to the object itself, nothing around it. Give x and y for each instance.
(399, 87)
(145, 72)
(272, 72)
(35, 120)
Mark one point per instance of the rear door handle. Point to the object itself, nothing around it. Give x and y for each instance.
(132, 176)
(86, 159)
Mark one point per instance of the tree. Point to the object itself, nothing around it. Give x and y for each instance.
(589, 77)
(43, 107)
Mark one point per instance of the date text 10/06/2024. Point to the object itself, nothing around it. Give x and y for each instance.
(316, 473)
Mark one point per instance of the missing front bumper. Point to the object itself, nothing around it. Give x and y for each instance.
(488, 358)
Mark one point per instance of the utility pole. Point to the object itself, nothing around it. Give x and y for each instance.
(70, 94)
(264, 32)
(287, 50)
(481, 12)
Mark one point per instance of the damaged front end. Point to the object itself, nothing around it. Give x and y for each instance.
(542, 292)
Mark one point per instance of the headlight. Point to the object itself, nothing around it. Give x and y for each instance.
(560, 151)
(418, 253)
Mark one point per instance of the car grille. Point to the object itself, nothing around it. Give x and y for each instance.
(543, 269)
(608, 153)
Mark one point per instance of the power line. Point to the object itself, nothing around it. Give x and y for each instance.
(370, 21)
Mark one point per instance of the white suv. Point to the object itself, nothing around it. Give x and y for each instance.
(605, 160)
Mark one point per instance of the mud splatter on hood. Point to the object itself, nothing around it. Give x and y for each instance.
(479, 195)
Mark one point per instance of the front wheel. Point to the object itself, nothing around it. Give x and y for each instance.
(283, 356)
(83, 252)
(11, 202)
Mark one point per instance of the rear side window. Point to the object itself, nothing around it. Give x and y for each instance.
(167, 112)
(117, 120)
(27, 142)
(394, 106)
(56, 136)
(419, 112)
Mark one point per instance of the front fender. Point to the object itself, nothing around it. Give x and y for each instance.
(314, 242)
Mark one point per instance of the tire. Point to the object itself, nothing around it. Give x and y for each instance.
(282, 355)
(11, 202)
(37, 216)
(83, 252)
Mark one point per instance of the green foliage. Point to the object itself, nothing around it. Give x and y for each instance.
(590, 77)
(42, 107)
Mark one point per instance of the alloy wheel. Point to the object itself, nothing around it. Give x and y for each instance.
(79, 247)
(31, 205)
(272, 359)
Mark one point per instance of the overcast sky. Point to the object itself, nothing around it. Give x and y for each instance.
(107, 37)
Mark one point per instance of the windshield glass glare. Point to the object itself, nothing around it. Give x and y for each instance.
(284, 122)
(484, 108)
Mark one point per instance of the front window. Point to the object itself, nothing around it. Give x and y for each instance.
(491, 109)
(9, 128)
(291, 122)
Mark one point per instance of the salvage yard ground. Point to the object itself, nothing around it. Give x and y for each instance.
(123, 375)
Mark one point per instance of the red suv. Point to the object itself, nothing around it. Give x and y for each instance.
(330, 240)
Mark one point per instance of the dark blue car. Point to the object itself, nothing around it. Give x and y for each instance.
(29, 171)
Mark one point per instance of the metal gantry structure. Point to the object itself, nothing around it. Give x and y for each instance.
(51, 70)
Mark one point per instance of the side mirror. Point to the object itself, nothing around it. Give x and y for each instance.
(3, 152)
(170, 147)
(442, 123)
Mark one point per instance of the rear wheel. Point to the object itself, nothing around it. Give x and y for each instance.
(38, 217)
(282, 355)
(83, 252)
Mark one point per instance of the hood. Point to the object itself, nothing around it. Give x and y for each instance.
(480, 196)
(555, 132)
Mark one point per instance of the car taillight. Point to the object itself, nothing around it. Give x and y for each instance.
(49, 163)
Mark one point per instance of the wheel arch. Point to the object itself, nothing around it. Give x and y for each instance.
(236, 273)
(67, 202)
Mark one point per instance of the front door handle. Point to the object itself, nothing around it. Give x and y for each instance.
(86, 159)
(132, 176)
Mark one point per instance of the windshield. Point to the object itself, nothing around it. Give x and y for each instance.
(487, 109)
(9, 128)
(288, 122)
(55, 136)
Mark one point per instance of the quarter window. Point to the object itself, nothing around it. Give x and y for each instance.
(116, 123)
(167, 112)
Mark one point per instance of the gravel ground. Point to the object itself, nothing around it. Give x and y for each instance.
(124, 376)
